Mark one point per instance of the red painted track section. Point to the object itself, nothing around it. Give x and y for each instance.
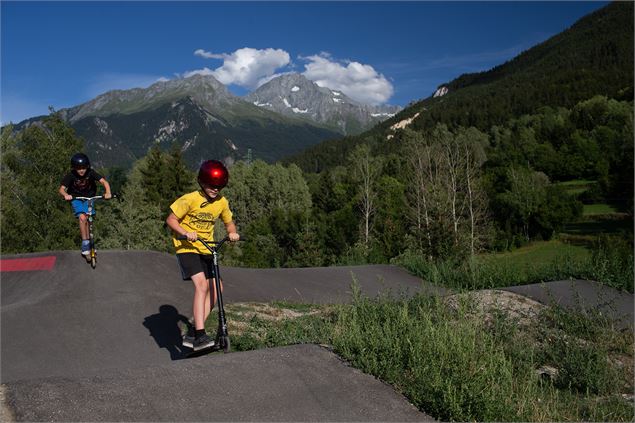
(27, 264)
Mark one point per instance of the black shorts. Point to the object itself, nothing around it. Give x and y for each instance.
(192, 263)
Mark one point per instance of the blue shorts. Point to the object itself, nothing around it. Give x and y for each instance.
(81, 207)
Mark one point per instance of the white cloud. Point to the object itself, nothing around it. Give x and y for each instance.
(246, 67)
(250, 68)
(358, 81)
(208, 55)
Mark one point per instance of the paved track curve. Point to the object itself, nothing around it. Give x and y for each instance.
(80, 344)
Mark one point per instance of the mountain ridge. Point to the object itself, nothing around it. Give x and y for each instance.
(592, 57)
(119, 126)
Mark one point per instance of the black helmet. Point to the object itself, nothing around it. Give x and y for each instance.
(80, 160)
(213, 173)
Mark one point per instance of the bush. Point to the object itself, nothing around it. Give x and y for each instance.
(612, 262)
(449, 368)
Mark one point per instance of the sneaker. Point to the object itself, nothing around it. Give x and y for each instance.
(188, 341)
(202, 342)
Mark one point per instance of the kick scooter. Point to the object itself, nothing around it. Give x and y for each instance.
(92, 258)
(222, 336)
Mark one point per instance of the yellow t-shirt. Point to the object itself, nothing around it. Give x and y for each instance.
(197, 214)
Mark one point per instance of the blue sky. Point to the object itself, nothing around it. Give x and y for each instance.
(62, 54)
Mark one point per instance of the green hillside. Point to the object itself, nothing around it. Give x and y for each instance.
(593, 57)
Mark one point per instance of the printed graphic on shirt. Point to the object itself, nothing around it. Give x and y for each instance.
(81, 185)
(203, 221)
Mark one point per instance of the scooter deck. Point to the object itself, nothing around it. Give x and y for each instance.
(190, 353)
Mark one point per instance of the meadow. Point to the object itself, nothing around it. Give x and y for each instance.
(462, 358)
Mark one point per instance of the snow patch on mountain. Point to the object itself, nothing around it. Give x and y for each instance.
(256, 103)
(293, 94)
(440, 92)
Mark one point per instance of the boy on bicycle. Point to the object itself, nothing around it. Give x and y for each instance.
(193, 215)
(81, 182)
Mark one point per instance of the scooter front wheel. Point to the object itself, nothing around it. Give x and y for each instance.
(93, 262)
(225, 344)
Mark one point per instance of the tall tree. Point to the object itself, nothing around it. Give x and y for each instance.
(133, 222)
(366, 170)
(165, 177)
(35, 218)
(445, 197)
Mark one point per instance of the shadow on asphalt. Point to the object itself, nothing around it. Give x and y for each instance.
(164, 328)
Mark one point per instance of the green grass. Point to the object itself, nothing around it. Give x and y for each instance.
(460, 362)
(577, 187)
(540, 251)
(598, 226)
(610, 262)
(538, 262)
(595, 209)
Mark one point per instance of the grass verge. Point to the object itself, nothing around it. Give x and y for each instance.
(610, 262)
(464, 358)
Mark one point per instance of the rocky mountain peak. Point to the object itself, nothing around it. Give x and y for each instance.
(293, 94)
(203, 89)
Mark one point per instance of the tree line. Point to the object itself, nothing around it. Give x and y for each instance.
(443, 192)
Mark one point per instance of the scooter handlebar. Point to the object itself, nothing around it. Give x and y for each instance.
(97, 197)
(222, 241)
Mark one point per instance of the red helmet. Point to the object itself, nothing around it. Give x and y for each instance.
(213, 173)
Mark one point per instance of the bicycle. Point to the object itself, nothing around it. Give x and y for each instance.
(222, 336)
(92, 257)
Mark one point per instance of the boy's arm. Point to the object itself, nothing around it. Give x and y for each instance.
(173, 223)
(64, 194)
(106, 185)
(231, 231)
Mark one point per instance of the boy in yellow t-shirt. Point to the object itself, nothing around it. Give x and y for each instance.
(193, 216)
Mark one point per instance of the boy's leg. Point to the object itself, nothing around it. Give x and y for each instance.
(83, 226)
(202, 309)
(83, 231)
(80, 208)
(213, 283)
(201, 305)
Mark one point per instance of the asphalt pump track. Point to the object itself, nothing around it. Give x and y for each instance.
(79, 344)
